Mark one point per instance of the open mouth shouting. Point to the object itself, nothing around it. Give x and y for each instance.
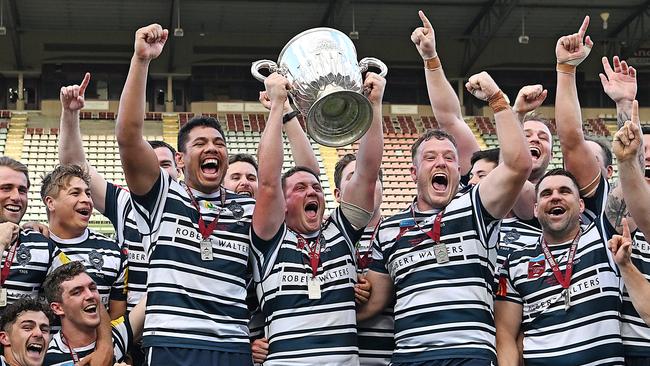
(35, 348)
(84, 212)
(535, 152)
(210, 166)
(556, 211)
(440, 182)
(90, 309)
(647, 172)
(245, 191)
(311, 210)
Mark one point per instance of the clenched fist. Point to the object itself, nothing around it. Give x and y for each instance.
(149, 42)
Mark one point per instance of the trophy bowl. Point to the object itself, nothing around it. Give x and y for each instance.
(326, 84)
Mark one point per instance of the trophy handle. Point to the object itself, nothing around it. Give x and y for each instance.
(263, 64)
(371, 61)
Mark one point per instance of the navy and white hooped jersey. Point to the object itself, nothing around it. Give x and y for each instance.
(58, 353)
(303, 331)
(34, 256)
(119, 210)
(595, 205)
(192, 303)
(104, 260)
(375, 335)
(588, 333)
(635, 332)
(442, 310)
(514, 234)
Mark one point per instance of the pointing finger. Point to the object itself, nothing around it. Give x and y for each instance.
(583, 27)
(425, 21)
(626, 229)
(635, 111)
(84, 84)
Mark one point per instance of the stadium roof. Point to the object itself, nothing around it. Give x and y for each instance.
(472, 34)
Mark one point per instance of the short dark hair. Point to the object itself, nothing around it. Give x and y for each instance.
(491, 155)
(244, 158)
(59, 178)
(645, 130)
(340, 166)
(197, 122)
(534, 116)
(297, 169)
(52, 285)
(13, 311)
(428, 135)
(156, 144)
(604, 146)
(561, 172)
(15, 165)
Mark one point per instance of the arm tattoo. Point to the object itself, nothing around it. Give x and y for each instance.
(615, 211)
(621, 118)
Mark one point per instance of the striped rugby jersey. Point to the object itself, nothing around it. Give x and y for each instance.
(635, 332)
(58, 353)
(442, 310)
(375, 335)
(302, 331)
(193, 303)
(589, 332)
(118, 209)
(34, 256)
(514, 234)
(105, 262)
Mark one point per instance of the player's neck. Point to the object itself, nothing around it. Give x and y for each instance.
(559, 238)
(77, 336)
(64, 231)
(9, 357)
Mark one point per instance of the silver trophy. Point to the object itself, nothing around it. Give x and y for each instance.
(327, 87)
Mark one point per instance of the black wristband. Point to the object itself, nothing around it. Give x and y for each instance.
(289, 116)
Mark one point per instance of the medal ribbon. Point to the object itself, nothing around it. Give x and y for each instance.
(364, 260)
(434, 233)
(206, 231)
(73, 354)
(565, 280)
(314, 252)
(11, 255)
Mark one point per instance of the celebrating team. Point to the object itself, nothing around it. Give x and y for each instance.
(496, 260)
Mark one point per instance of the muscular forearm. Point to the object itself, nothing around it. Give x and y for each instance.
(514, 150)
(446, 109)
(636, 193)
(70, 142)
(301, 149)
(638, 288)
(130, 120)
(507, 350)
(567, 111)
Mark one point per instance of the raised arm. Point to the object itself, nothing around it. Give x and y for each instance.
(620, 86)
(269, 211)
(636, 192)
(360, 191)
(71, 149)
(139, 161)
(507, 319)
(501, 187)
(635, 282)
(443, 98)
(579, 159)
(301, 149)
(529, 98)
